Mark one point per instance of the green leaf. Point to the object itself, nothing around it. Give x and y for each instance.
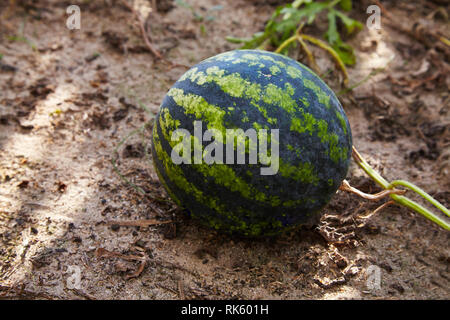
(287, 11)
(350, 24)
(286, 19)
(277, 13)
(346, 5)
(296, 15)
(298, 3)
(203, 29)
(232, 39)
(332, 35)
(256, 40)
(344, 50)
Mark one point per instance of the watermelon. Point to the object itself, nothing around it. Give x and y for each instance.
(306, 133)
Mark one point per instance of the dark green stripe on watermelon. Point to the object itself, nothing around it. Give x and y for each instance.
(255, 89)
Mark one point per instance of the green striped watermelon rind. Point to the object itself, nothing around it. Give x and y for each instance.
(262, 90)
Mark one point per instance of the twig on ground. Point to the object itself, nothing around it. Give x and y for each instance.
(167, 288)
(149, 45)
(139, 223)
(103, 253)
(82, 294)
(142, 28)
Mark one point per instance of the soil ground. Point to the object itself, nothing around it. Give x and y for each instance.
(68, 97)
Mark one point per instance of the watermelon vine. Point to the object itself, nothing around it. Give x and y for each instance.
(284, 30)
(402, 200)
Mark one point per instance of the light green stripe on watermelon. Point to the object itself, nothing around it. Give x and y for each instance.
(200, 108)
(166, 121)
(294, 72)
(274, 70)
(205, 111)
(259, 57)
(252, 59)
(248, 59)
(188, 102)
(321, 95)
(341, 121)
(320, 127)
(161, 178)
(303, 172)
(236, 86)
(176, 176)
(232, 84)
(281, 97)
(212, 115)
(304, 101)
(225, 176)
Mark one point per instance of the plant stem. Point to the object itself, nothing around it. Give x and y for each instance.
(373, 197)
(366, 78)
(331, 51)
(332, 4)
(286, 43)
(402, 200)
(300, 37)
(420, 192)
(445, 41)
(310, 56)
